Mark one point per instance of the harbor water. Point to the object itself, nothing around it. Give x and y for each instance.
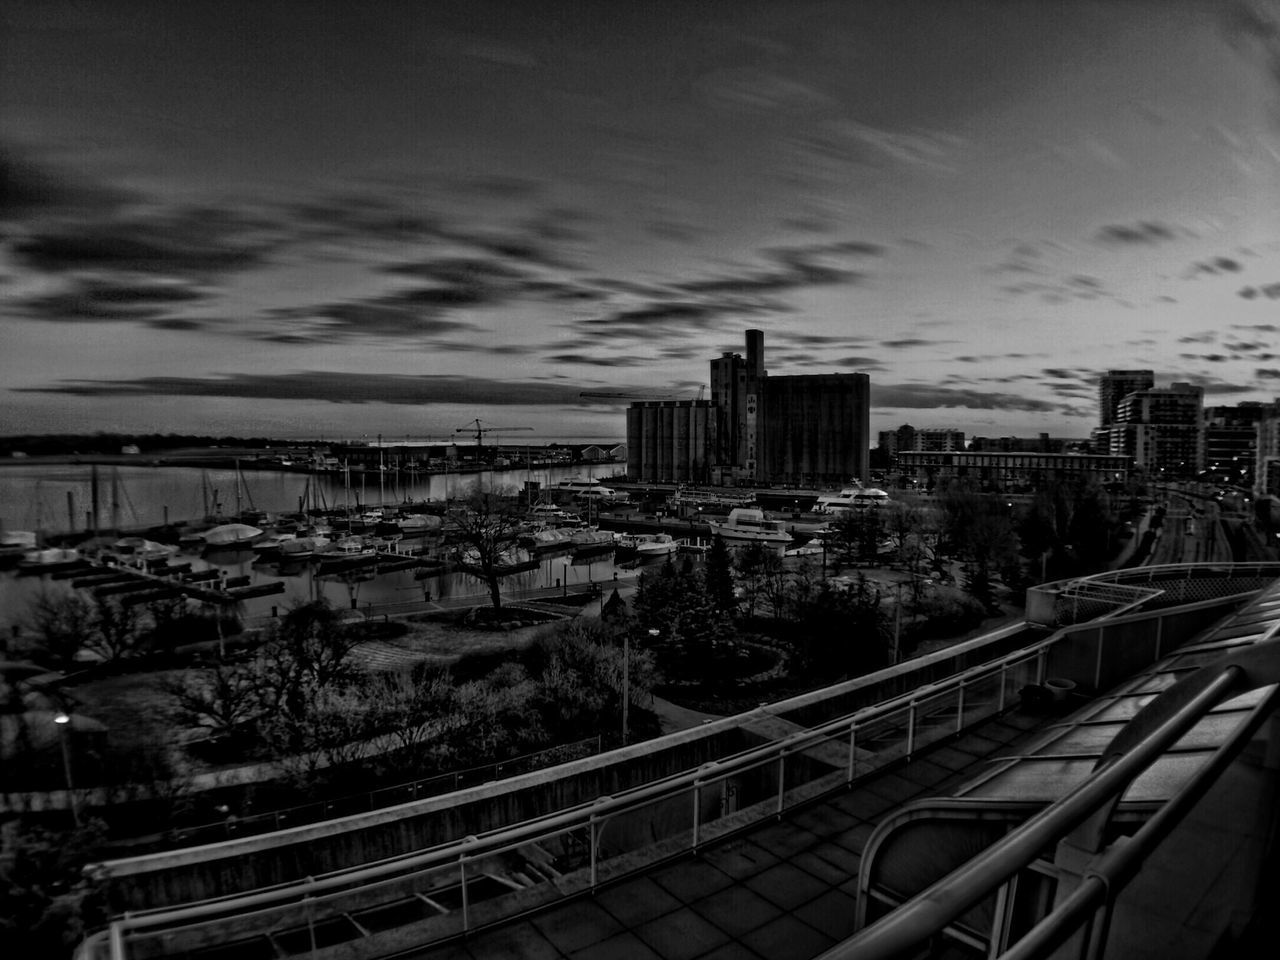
(143, 494)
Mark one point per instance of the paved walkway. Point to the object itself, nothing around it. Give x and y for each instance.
(784, 891)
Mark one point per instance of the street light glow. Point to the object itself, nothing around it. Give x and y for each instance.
(61, 717)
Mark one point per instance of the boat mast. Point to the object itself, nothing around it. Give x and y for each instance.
(93, 492)
(237, 480)
(115, 500)
(382, 483)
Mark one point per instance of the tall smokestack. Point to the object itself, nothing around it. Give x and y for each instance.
(755, 352)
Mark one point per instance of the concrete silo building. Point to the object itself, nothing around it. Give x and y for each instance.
(755, 429)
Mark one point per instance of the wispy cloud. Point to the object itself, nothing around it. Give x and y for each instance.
(333, 387)
(1145, 232)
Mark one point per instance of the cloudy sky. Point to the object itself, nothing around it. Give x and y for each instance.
(339, 219)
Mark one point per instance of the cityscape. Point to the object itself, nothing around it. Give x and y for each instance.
(566, 480)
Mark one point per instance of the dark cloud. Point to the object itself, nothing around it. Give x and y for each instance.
(90, 300)
(1271, 291)
(394, 316)
(908, 342)
(191, 242)
(330, 387)
(1143, 232)
(796, 267)
(461, 271)
(667, 320)
(928, 396)
(1245, 346)
(29, 188)
(1213, 267)
(1260, 327)
(1079, 287)
(1205, 336)
(1060, 373)
(592, 360)
(1206, 357)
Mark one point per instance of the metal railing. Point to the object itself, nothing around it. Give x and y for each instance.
(495, 875)
(911, 926)
(269, 821)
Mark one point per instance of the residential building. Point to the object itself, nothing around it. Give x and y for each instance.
(1114, 386)
(1011, 472)
(1160, 429)
(1230, 440)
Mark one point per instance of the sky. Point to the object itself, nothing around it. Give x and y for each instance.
(314, 219)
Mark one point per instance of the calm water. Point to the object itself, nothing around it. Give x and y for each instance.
(35, 497)
(28, 494)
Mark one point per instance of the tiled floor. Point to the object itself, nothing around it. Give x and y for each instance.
(785, 891)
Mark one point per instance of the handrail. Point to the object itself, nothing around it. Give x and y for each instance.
(1117, 866)
(926, 914)
(589, 815)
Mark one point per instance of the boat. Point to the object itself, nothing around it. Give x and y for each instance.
(14, 544)
(547, 539)
(142, 550)
(591, 541)
(231, 536)
(587, 487)
(654, 545)
(856, 497)
(747, 525)
(304, 548)
(272, 545)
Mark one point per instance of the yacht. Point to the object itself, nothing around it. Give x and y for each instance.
(588, 487)
(747, 525)
(851, 498)
(651, 546)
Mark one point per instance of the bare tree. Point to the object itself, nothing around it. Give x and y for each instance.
(63, 619)
(222, 698)
(484, 527)
(117, 627)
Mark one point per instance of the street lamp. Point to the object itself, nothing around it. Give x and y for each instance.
(63, 720)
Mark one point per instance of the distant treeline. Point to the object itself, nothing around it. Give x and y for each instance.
(113, 443)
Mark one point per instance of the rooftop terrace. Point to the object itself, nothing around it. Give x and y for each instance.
(781, 832)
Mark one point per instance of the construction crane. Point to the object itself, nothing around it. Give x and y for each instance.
(480, 431)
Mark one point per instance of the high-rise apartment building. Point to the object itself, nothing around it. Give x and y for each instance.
(1114, 386)
(1161, 429)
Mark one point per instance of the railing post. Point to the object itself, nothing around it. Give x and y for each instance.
(697, 811)
(116, 941)
(960, 707)
(782, 779)
(1004, 668)
(911, 727)
(462, 887)
(853, 754)
(595, 860)
(1159, 635)
(1097, 667)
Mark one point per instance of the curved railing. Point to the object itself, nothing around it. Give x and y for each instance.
(909, 928)
(487, 878)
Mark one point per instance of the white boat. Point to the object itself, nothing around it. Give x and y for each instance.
(140, 549)
(231, 535)
(856, 497)
(747, 525)
(651, 546)
(304, 548)
(548, 539)
(587, 487)
(591, 540)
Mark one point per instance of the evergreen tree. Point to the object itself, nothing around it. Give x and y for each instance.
(719, 576)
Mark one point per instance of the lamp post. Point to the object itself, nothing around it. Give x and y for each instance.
(63, 720)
